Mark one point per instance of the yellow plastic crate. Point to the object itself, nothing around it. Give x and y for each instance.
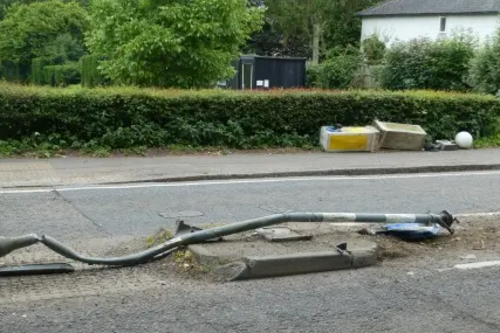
(349, 139)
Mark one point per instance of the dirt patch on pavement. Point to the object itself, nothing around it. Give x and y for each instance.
(183, 263)
(471, 235)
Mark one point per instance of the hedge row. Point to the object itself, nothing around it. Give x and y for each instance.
(128, 117)
(45, 73)
(62, 75)
(90, 72)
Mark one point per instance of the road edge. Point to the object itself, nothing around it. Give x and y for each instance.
(328, 172)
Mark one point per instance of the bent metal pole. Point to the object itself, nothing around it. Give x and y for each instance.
(9, 244)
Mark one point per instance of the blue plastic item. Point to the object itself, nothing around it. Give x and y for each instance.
(332, 129)
(412, 231)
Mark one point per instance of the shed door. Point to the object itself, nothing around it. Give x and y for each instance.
(247, 75)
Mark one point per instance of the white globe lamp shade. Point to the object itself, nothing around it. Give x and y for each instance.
(464, 140)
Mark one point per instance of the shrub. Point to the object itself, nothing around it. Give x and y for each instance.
(485, 67)
(339, 71)
(128, 117)
(313, 75)
(426, 64)
(373, 50)
(336, 72)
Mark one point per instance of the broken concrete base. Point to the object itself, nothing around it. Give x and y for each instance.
(252, 255)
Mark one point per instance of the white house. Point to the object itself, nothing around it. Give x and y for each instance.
(404, 20)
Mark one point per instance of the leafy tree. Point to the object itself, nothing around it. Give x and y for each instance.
(270, 41)
(6, 4)
(39, 29)
(302, 19)
(170, 43)
(62, 49)
(343, 27)
(319, 24)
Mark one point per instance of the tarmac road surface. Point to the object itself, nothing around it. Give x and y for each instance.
(369, 300)
(387, 298)
(142, 209)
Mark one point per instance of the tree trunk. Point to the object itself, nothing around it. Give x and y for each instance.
(315, 46)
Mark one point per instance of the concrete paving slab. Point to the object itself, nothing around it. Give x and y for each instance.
(28, 173)
(282, 234)
(250, 256)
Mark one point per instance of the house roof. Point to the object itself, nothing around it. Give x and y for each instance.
(433, 7)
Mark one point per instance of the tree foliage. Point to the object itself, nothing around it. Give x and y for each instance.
(270, 41)
(318, 24)
(40, 29)
(373, 50)
(343, 27)
(6, 4)
(63, 48)
(301, 19)
(170, 42)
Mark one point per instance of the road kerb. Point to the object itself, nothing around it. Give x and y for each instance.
(98, 180)
(274, 265)
(311, 173)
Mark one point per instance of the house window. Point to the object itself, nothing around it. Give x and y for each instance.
(442, 24)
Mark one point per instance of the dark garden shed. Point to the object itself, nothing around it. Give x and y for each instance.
(261, 72)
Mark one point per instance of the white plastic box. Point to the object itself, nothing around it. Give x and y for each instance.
(349, 139)
(400, 136)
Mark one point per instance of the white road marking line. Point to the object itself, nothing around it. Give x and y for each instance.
(477, 265)
(445, 269)
(249, 181)
(27, 191)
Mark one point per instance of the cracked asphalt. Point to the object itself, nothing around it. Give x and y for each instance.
(402, 296)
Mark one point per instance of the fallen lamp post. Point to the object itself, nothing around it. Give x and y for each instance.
(187, 235)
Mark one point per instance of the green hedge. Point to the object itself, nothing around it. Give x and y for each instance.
(37, 65)
(13, 72)
(91, 77)
(44, 73)
(62, 75)
(128, 117)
